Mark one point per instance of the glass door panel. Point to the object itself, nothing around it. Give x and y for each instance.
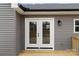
(32, 32)
(46, 33)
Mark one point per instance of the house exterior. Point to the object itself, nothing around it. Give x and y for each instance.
(37, 26)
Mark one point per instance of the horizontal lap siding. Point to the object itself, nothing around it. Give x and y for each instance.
(7, 30)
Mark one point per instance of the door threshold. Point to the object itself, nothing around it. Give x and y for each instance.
(46, 48)
(32, 47)
(39, 48)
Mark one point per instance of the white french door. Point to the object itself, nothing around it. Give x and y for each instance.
(39, 33)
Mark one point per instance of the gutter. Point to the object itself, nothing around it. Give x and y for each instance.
(27, 11)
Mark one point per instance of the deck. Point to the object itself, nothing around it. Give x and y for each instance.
(47, 53)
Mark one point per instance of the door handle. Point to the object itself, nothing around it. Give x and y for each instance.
(38, 34)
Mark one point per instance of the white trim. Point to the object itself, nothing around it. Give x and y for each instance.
(17, 8)
(75, 25)
(27, 20)
(14, 5)
(51, 13)
(54, 34)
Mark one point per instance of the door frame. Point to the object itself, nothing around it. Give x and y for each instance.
(35, 19)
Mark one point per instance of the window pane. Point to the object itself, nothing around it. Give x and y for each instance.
(77, 22)
(46, 33)
(77, 29)
(32, 34)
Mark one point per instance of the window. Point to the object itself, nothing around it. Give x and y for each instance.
(76, 25)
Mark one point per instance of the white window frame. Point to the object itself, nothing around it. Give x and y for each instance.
(75, 26)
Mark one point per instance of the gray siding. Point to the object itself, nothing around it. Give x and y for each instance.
(18, 33)
(20, 37)
(22, 27)
(64, 33)
(7, 30)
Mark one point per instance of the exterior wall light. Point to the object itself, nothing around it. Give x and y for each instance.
(59, 22)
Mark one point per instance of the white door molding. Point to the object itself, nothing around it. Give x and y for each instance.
(39, 30)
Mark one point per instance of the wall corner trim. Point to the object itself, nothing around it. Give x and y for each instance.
(17, 8)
